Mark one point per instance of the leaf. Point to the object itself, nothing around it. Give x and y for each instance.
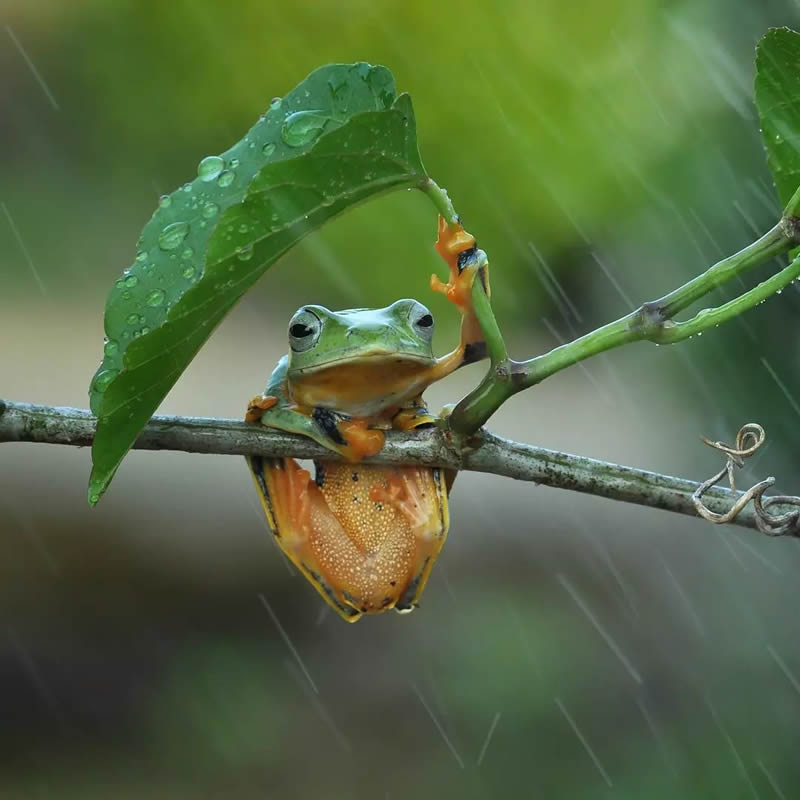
(343, 135)
(778, 102)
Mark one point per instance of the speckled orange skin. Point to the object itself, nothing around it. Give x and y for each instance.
(367, 536)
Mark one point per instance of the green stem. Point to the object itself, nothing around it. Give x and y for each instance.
(774, 242)
(712, 317)
(489, 327)
(440, 199)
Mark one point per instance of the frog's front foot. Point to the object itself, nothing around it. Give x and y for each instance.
(360, 440)
(402, 493)
(459, 251)
(258, 405)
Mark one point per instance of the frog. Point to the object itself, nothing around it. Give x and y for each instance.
(365, 535)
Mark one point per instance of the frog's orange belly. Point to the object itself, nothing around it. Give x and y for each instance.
(377, 533)
(366, 536)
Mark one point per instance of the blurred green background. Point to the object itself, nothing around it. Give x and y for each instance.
(612, 146)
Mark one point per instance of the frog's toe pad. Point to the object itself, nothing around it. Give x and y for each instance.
(258, 405)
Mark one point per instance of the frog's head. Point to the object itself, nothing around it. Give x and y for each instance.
(400, 334)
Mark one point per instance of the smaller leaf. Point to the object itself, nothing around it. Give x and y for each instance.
(778, 101)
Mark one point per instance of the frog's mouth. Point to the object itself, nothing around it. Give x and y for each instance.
(367, 361)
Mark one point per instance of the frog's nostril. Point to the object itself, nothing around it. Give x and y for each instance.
(366, 328)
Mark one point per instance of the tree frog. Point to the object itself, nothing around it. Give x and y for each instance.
(366, 536)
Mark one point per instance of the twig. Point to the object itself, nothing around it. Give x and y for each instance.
(748, 441)
(484, 452)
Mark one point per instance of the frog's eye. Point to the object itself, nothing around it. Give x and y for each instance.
(422, 320)
(304, 330)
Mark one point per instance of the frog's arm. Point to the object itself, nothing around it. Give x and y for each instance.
(349, 437)
(466, 264)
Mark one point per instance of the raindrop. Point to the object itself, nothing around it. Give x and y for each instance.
(144, 330)
(210, 210)
(141, 256)
(244, 228)
(234, 163)
(225, 178)
(132, 319)
(131, 281)
(126, 295)
(268, 149)
(155, 298)
(210, 167)
(188, 272)
(187, 253)
(245, 253)
(165, 201)
(172, 236)
(111, 348)
(303, 127)
(187, 187)
(103, 379)
(275, 104)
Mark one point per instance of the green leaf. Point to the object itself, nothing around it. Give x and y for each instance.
(343, 135)
(778, 102)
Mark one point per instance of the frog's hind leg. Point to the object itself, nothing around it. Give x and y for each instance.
(303, 526)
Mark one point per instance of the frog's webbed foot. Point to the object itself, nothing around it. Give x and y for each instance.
(403, 494)
(258, 405)
(466, 264)
(412, 416)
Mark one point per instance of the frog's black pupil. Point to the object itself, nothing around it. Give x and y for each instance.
(299, 330)
(425, 321)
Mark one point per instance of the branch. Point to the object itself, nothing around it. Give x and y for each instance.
(25, 422)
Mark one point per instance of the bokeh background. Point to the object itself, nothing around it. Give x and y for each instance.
(567, 646)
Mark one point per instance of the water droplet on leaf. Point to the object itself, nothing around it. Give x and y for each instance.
(132, 319)
(268, 149)
(188, 272)
(111, 348)
(131, 281)
(225, 178)
(165, 201)
(155, 298)
(210, 210)
(245, 253)
(302, 127)
(104, 378)
(210, 167)
(173, 235)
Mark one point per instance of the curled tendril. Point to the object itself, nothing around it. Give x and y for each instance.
(748, 441)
